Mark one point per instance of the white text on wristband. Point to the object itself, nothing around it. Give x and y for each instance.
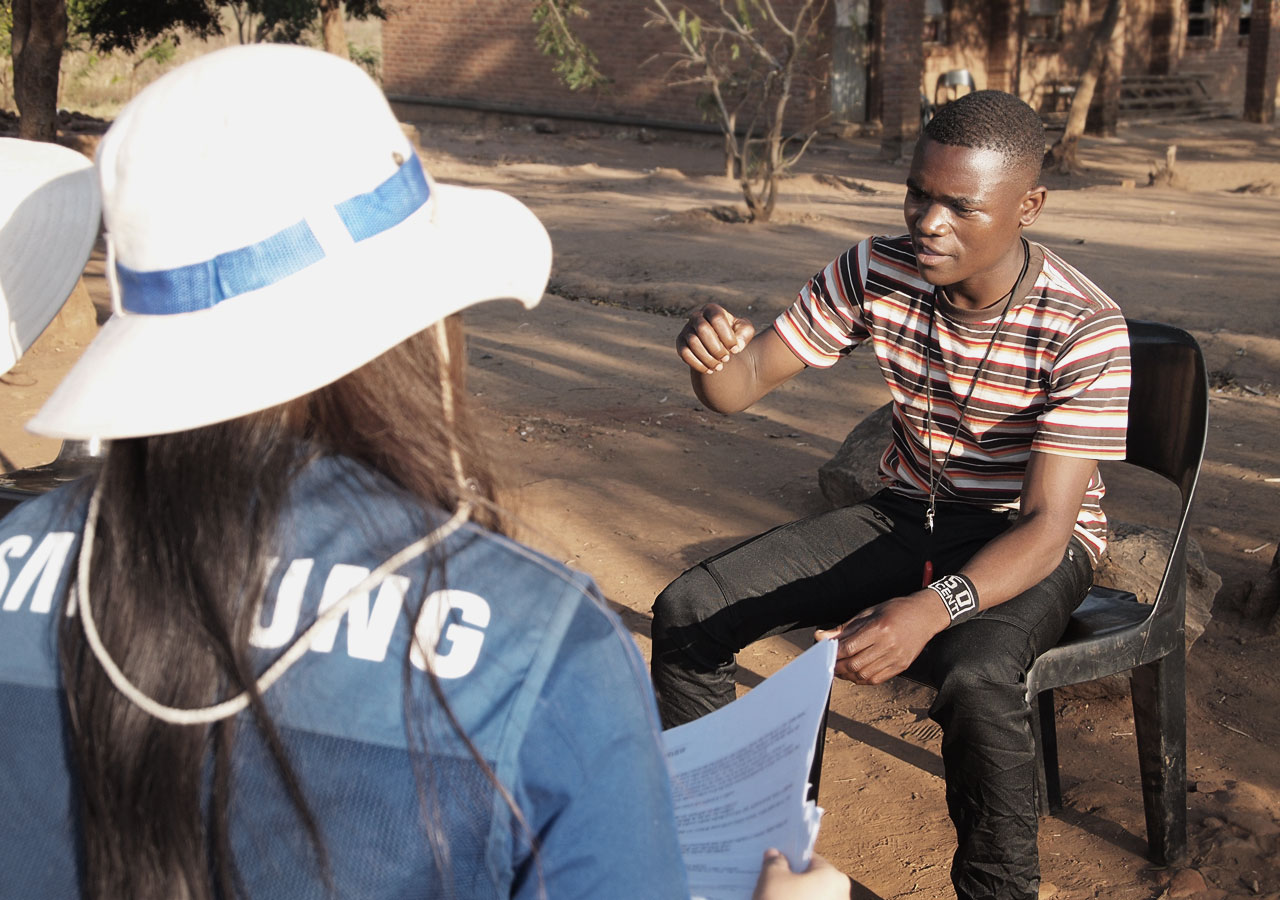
(958, 595)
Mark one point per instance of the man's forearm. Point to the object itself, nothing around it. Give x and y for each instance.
(1017, 560)
(761, 366)
(730, 390)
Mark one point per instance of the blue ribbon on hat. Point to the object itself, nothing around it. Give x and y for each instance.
(205, 284)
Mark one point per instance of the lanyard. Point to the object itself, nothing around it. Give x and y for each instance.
(935, 480)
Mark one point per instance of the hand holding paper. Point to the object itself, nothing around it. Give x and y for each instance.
(740, 778)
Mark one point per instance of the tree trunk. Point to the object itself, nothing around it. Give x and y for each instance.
(1063, 152)
(39, 33)
(335, 32)
(1262, 71)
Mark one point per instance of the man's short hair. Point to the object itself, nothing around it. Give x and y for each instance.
(992, 120)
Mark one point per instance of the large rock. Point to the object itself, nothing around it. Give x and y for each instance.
(1263, 600)
(852, 475)
(1135, 561)
(1136, 554)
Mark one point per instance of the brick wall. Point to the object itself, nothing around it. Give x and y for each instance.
(983, 38)
(902, 56)
(1220, 58)
(482, 51)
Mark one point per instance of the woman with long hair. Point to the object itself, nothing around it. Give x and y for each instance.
(279, 646)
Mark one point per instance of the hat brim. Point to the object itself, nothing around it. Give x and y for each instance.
(157, 374)
(50, 208)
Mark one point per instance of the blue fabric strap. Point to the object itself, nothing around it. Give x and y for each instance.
(205, 284)
(387, 205)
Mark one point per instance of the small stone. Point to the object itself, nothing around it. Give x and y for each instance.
(1047, 890)
(1187, 883)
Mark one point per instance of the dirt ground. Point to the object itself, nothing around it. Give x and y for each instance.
(616, 469)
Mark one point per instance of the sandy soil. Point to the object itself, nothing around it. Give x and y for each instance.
(616, 469)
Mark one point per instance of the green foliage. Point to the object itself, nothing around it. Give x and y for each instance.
(575, 64)
(689, 28)
(365, 9)
(368, 58)
(124, 24)
(159, 53)
(6, 48)
(128, 24)
(274, 21)
(6, 30)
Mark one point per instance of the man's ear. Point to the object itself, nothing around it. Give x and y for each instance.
(1032, 205)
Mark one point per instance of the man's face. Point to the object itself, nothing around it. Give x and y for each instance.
(964, 208)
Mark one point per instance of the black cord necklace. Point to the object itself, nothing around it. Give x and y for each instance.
(936, 481)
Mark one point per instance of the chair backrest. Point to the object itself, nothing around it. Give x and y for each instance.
(953, 78)
(956, 78)
(1168, 403)
(1168, 423)
(74, 460)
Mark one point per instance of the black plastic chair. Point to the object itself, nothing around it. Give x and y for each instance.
(75, 459)
(1111, 632)
(952, 80)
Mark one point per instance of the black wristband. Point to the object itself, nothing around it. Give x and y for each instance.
(958, 595)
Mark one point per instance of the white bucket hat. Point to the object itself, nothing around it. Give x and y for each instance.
(269, 230)
(48, 223)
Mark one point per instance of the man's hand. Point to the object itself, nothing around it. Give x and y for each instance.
(711, 337)
(881, 641)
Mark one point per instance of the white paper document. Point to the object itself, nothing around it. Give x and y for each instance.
(740, 777)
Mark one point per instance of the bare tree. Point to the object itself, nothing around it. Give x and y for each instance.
(1062, 154)
(748, 60)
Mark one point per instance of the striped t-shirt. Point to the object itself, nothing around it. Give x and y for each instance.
(1056, 380)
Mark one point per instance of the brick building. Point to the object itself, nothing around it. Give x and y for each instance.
(1035, 48)
(480, 54)
(873, 60)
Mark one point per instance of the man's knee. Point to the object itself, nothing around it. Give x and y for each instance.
(981, 689)
(982, 676)
(684, 614)
(980, 655)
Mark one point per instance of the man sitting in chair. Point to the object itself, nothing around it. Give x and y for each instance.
(1009, 372)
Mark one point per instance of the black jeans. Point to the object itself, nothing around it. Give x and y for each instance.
(821, 570)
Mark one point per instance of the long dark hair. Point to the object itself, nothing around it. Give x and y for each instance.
(180, 560)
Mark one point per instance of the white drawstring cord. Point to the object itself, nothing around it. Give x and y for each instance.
(228, 708)
(446, 400)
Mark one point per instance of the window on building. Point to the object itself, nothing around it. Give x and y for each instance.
(1246, 16)
(935, 21)
(1199, 18)
(1044, 20)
